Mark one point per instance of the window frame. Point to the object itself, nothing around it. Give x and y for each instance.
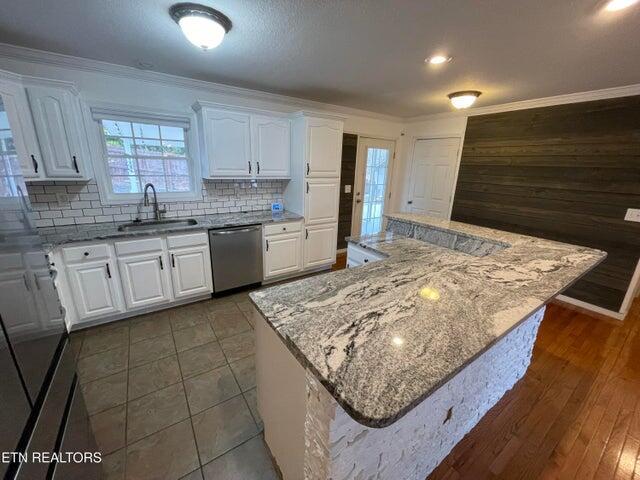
(101, 164)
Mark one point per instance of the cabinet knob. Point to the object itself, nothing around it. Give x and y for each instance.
(86, 254)
(284, 228)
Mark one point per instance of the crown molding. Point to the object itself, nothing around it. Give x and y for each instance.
(614, 92)
(31, 55)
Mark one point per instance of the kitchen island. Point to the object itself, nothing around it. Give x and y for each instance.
(378, 371)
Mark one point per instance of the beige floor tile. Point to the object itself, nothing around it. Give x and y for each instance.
(103, 364)
(210, 388)
(245, 372)
(200, 359)
(152, 349)
(221, 306)
(245, 305)
(195, 475)
(105, 393)
(193, 336)
(109, 429)
(149, 326)
(153, 376)
(113, 465)
(252, 400)
(157, 410)
(239, 346)
(249, 461)
(105, 338)
(188, 316)
(222, 428)
(227, 324)
(168, 454)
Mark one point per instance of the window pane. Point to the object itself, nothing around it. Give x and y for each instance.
(125, 184)
(116, 128)
(177, 167)
(172, 133)
(173, 148)
(148, 148)
(119, 146)
(158, 182)
(145, 130)
(151, 166)
(179, 184)
(4, 120)
(123, 166)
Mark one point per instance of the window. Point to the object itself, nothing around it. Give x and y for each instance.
(9, 165)
(141, 151)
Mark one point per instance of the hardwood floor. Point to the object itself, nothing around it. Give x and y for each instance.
(341, 261)
(575, 414)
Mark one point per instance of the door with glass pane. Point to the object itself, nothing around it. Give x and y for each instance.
(373, 170)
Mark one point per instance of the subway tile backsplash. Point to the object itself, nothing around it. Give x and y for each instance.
(85, 206)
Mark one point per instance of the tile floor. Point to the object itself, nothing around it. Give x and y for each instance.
(172, 394)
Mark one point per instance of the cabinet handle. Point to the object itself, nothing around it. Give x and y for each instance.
(258, 165)
(75, 164)
(173, 260)
(267, 245)
(307, 187)
(36, 281)
(307, 168)
(366, 260)
(306, 233)
(249, 166)
(108, 271)
(410, 202)
(26, 283)
(161, 262)
(35, 163)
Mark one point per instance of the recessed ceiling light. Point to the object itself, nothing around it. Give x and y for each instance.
(438, 59)
(615, 5)
(464, 99)
(203, 26)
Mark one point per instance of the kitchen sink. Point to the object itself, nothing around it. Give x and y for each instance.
(157, 224)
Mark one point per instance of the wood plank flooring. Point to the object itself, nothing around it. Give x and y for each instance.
(575, 414)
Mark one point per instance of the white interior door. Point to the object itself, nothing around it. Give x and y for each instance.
(432, 176)
(373, 171)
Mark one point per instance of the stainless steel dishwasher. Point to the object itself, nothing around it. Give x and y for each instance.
(236, 256)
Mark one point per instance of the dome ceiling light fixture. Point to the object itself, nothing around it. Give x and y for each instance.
(615, 5)
(203, 26)
(464, 98)
(438, 59)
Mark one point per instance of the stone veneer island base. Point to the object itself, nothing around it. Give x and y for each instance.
(311, 437)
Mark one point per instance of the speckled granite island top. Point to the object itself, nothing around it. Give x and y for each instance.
(382, 337)
(54, 236)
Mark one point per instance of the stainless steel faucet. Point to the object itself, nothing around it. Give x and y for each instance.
(157, 212)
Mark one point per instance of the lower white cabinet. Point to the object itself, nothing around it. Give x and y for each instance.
(144, 280)
(191, 271)
(320, 245)
(94, 289)
(283, 254)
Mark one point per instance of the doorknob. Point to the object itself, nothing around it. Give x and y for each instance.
(358, 201)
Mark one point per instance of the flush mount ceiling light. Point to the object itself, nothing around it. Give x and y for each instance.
(203, 26)
(464, 99)
(438, 59)
(615, 5)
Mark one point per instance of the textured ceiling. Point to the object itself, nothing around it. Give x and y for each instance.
(365, 54)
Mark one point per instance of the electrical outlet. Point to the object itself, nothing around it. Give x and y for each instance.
(347, 189)
(633, 215)
(62, 198)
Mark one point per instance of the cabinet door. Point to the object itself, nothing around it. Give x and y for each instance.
(17, 133)
(94, 289)
(191, 271)
(228, 144)
(321, 200)
(15, 292)
(145, 279)
(324, 147)
(282, 254)
(58, 122)
(271, 146)
(320, 245)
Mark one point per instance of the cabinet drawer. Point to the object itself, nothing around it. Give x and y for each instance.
(279, 227)
(139, 246)
(358, 255)
(83, 253)
(188, 240)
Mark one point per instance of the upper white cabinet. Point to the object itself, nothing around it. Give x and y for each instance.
(61, 135)
(271, 146)
(324, 147)
(243, 143)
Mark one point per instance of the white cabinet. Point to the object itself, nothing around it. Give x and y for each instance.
(58, 122)
(227, 143)
(191, 271)
(321, 200)
(93, 287)
(144, 279)
(271, 146)
(283, 251)
(15, 290)
(357, 256)
(320, 245)
(17, 127)
(324, 147)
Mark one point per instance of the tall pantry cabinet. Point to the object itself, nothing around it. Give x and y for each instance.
(314, 189)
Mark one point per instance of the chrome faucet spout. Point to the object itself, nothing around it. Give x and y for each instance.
(157, 212)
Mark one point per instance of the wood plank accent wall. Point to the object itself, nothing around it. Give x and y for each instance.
(565, 173)
(347, 177)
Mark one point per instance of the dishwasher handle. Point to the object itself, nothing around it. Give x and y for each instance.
(235, 230)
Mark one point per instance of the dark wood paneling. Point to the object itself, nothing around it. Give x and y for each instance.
(566, 173)
(347, 177)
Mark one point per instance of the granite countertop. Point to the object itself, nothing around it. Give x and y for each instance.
(54, 236)
(382, 337)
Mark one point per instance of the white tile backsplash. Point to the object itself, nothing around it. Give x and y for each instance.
(84, 206)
